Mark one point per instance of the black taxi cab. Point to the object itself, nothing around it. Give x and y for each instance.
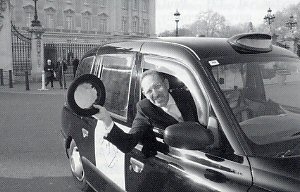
(247, 97)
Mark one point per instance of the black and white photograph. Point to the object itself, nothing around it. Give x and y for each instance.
(149, 95)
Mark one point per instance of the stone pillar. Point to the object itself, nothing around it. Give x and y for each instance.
(152, 18)
(296, 40)
(274, 38)
(5, 36)
(37, 52)
(290, 43)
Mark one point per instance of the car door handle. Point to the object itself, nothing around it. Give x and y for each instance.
(136, 165)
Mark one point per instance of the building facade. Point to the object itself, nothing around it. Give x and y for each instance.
(71, 27)
(94, 17)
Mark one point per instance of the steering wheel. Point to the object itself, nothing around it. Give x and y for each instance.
(242, 110)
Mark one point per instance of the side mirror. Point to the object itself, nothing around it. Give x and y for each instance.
(85, 91)
(188, 135)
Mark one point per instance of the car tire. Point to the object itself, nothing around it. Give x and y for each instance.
(77, 168)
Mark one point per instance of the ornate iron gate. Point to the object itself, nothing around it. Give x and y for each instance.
(68, 51)
(21, 51)
(65, 50)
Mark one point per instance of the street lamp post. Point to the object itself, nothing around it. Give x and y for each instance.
(269, 18)
(37, 52)
(291, 23)
(176, 15)
(35, 22)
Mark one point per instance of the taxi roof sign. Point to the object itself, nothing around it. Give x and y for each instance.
(251, 43)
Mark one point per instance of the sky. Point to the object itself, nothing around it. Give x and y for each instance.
(234, 11)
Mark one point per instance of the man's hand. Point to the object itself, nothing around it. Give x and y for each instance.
(103, 115)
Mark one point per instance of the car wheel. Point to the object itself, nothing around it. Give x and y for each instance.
(77, 168)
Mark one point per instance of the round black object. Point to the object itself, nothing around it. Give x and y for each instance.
(86, 90)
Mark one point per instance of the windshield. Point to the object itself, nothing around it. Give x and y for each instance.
(265, 99)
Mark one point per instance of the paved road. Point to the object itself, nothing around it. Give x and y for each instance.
(32, 157)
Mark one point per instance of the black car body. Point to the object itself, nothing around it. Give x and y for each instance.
(246, 92)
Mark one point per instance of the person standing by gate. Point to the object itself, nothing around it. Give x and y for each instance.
(49, 72)
(75, 64)
(61, 67)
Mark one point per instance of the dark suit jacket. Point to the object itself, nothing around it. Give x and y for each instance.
(49, 70)
(149, 116)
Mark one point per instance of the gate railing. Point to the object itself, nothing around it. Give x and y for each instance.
(21, 51)
(68, 51)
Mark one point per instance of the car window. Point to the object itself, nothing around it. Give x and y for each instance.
(264, 99)
(183, 80)
(85, 66)
(116, 77)
(185, 77)
(95, 69)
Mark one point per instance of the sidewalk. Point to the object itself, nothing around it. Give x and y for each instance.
(35, 88)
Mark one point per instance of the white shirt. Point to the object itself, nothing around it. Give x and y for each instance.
(172, 109)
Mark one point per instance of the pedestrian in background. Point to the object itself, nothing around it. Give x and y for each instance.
(61, 68)
(49, 73)
(75, 64)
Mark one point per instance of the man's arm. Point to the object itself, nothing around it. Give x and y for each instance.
(141, 131)
(123, 141)
(142, 125)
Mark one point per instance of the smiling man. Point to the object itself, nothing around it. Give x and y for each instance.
(159, 109)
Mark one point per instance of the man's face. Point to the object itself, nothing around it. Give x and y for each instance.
(156, 90)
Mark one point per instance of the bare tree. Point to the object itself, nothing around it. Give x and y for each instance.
(184, 31)
(209, 24)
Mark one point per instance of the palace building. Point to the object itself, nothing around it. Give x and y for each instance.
(71, 27)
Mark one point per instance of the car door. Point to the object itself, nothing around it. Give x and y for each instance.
(218, 169)
(83, 127)
(118, 77)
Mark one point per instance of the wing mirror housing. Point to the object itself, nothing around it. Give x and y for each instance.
(188, 135)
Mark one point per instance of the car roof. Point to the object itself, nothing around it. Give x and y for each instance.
(203, 47)
(208, 47)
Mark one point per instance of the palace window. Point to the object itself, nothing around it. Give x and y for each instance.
(145, 26)
(135, 24)
(86, 23)
(29, 18)
(50, 21)
(69, 22)
(103, 21)
(124, 4)
(145, 5)
(135, 4)
(124, 24)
